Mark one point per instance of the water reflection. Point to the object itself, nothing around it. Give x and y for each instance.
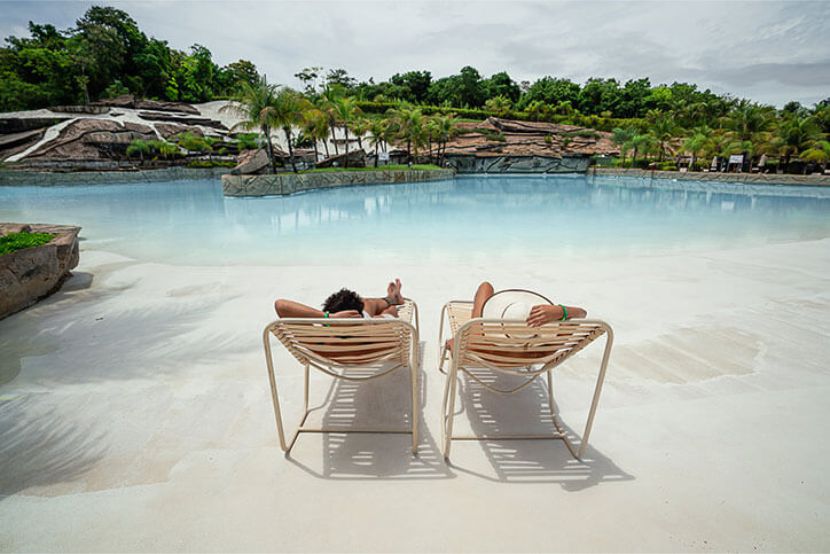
(487, 219)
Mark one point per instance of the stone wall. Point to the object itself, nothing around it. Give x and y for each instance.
(30, 274)
(46, 179)
(517, 164)
(288, 183)
(752, 178)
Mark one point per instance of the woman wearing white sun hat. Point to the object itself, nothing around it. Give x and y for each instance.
(521, 304)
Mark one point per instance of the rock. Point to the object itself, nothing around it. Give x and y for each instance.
(20, 124)
(17, 142)
(252, 162)
(356, 158)
(130, 101)
(168, 130)
(186, 120)
(91, 139)
(30, 274)
(88, 109)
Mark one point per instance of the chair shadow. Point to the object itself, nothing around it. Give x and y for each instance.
(359, 456)
(39, 448)
(524, 461)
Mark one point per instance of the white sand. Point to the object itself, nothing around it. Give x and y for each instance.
(139, 417)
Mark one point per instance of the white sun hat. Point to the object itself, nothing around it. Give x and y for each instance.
(512, 304)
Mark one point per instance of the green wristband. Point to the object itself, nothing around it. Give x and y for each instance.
(564, 312)
(326, 315)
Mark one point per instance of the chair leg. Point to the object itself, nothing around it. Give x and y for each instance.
(274, 394)
(449, 408)
(415, 408)
(583, 446)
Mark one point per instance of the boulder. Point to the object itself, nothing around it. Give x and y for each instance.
(252, 162)
(355, 158)
(32, 273)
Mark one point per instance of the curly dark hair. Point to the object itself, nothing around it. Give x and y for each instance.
(342, 300)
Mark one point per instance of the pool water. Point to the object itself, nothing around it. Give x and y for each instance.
(467, 220)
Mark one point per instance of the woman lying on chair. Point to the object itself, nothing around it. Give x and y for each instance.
(347, 304)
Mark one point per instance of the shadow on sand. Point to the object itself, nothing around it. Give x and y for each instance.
(522, 461)
(353, 456)
(40, 447)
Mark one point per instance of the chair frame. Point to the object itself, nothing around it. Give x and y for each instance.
(459, 364)
(336, 369)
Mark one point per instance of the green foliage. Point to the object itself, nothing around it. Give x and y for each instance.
(247, 141)
(152, 148)
(18, 241)
(104, 55)
(193, 142)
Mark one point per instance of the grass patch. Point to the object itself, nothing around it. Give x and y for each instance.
(393, 167)
(18, 241)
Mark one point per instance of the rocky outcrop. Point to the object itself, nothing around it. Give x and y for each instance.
(20, 124)
(32, 273)
(130, 101)
(355, 158)
(508, 139)
(289, 183)
(91, 139)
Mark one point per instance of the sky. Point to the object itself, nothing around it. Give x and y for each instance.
(769, 51)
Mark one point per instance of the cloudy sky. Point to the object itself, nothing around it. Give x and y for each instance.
(771, 51)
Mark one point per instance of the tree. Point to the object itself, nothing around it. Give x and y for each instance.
(377, 136)
(500, 105)
(819, 153)
(255, 105)
(288, 109)
(640, 143)
(316, 127)
(500, 84)
(696, 143)
(796, 134)
(345, 110)
(413, 86)
(622, 138)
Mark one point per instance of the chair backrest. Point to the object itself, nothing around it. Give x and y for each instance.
(346, 342)
(512, 344)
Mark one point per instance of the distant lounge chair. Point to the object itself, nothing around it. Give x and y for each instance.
(340, 346)
(512, 347)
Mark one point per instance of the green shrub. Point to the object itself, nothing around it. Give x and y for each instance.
(18, 241)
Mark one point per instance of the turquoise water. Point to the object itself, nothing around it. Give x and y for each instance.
(469, 220)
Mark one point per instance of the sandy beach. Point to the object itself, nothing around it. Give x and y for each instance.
(135, 415)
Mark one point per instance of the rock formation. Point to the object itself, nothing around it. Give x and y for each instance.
(32, 273)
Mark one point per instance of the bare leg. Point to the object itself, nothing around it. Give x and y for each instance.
(379, 306)
(483, 294)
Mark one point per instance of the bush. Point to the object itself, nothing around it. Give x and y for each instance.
(18, 241)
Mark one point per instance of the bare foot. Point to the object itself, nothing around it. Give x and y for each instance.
(393, 291)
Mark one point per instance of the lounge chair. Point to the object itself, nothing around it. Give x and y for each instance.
(340, 346)
(502, 346)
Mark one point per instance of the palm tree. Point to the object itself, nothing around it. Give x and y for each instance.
(289, 109)
(377, 135)
(360, 126)
(796, 134)
(255, 105)
(408, 123)
(345, 111)
(622, 138)
(696, 142)
(500, 105)
(749, 125)
(819, 153)
(316, 127)
(446, 129)
(640, 143)
(663, 128)
(328, 105)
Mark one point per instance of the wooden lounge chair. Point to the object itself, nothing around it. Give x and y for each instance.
(512, 347)
(366, 348)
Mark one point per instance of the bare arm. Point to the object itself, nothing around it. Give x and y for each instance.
(542, 314)
(290, 308)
